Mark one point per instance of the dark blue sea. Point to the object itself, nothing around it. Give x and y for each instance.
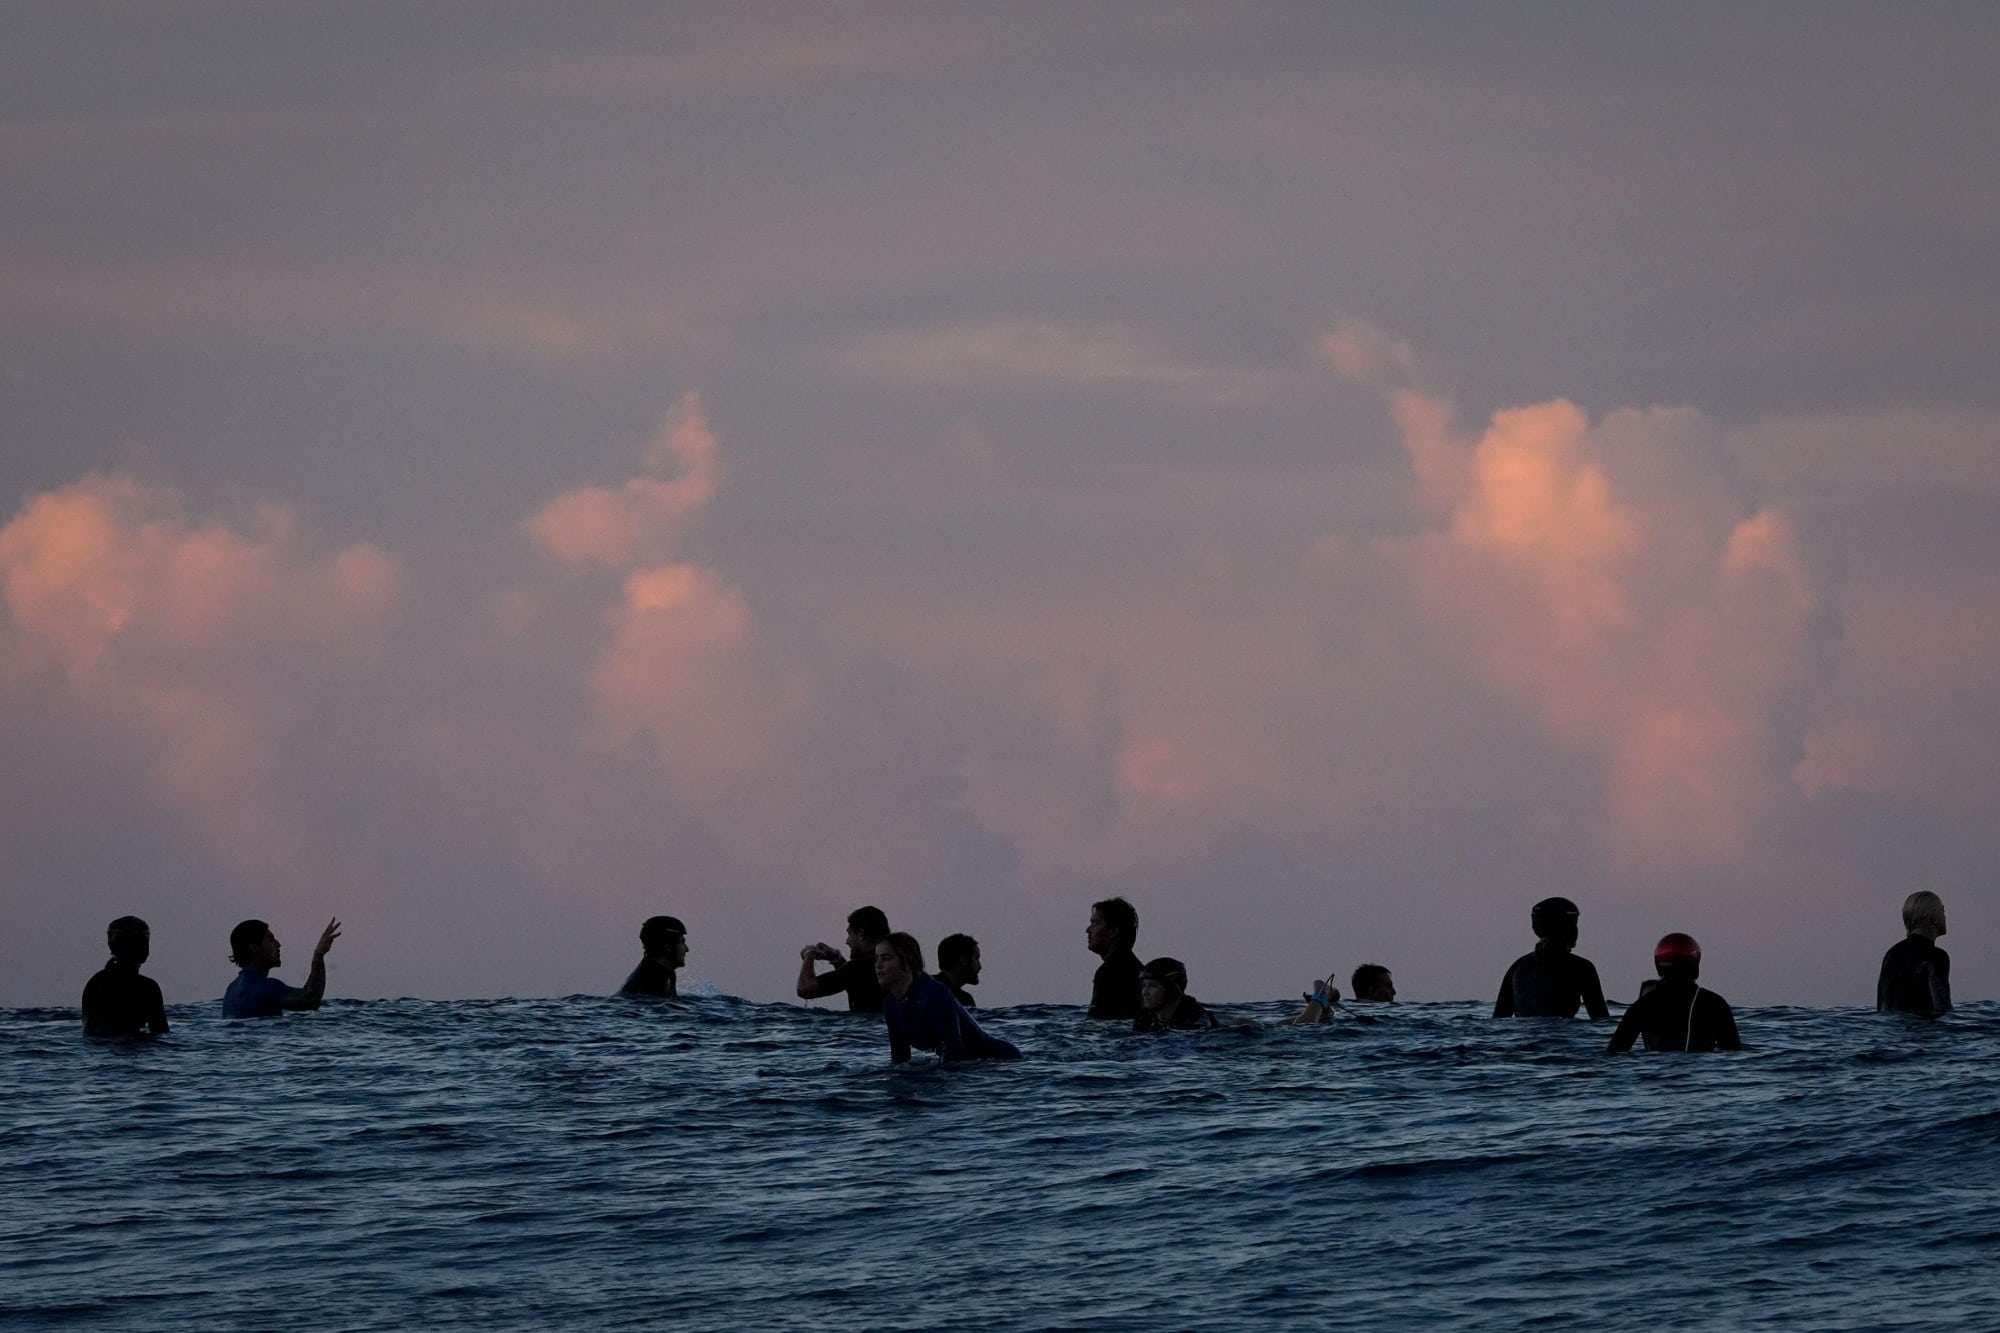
(712, 1163)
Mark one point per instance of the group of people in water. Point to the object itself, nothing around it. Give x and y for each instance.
(881, 971)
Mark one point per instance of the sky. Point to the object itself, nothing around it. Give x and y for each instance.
(1333, 476)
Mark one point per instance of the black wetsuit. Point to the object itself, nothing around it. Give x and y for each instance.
(118, 1002)
(651, 978)
(1114, 991)
(1678, 1015)
(1189, 1016)
(856, 977)
(1551, 982)
(959, 993)
(1916, 978)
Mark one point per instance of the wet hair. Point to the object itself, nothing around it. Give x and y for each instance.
(956, 949)
(1923, 914)
(1122, 917)
(872, 922)
(1170, 970)
(658, 929)
(128, 936)
(246, 939)
(906, 948)
(1365, 978)
(1554, 919)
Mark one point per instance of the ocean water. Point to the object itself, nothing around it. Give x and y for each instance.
(712, 1163)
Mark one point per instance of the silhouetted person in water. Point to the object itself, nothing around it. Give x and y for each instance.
(1916, 974)
(1676, 1013)
(256, 993)
(1113, 930)
(920, 1014)
(118, 1002)
(664, 940)
(853, 972)
(958, 967)
(1372, 982)
(1551, 982)
(1164, 1004)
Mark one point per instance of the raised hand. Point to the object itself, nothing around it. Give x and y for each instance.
(326, 938)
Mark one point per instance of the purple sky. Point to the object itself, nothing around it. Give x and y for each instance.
(495, 472)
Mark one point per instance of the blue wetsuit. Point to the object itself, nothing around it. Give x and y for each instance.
(930, 1020)
(254, 995)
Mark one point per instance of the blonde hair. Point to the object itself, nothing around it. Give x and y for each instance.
(1923, 914)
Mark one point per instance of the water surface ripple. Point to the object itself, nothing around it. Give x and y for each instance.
(713, 1163)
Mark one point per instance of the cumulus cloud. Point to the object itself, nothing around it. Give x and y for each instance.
(155, 630)
(1593, 653)
(645, 518)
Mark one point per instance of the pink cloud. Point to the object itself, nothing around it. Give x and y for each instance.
(646, 517)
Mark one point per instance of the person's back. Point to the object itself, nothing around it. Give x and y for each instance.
(118, 1001)
(1677, 1013)
(1916, 974)
(1551, 982)
(927, 1018)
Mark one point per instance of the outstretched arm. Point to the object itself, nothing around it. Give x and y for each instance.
(309, 995)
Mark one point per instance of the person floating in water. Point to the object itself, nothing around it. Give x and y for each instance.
(1373, 983)
(958, 967)
(1164, 1004)
(1113, 930)
(854, 971)
(920, 1013)
(1676, 1013)
(1916, 974)
(118, 1002)
(664, 940)
(256, 993)
(1551, 982)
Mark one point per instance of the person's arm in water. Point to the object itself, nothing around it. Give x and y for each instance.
(814, 985)
(156, 1018)
(1503, 1007)
(1885, 985)
(1726, 1038)
(1939, 977)
(899, 1039)
(309, 995)
(1629, 1026)
(1593, 992)
(950, 1021)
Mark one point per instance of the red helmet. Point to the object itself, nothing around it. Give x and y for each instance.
(1676, 948)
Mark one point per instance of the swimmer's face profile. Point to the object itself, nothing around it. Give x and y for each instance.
(889, 970)
(968, 972)
(272, 952)
(677, 950)
(1097, 935)
(1154, 993)
(857, 943)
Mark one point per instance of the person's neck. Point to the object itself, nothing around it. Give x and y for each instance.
(901, 989)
